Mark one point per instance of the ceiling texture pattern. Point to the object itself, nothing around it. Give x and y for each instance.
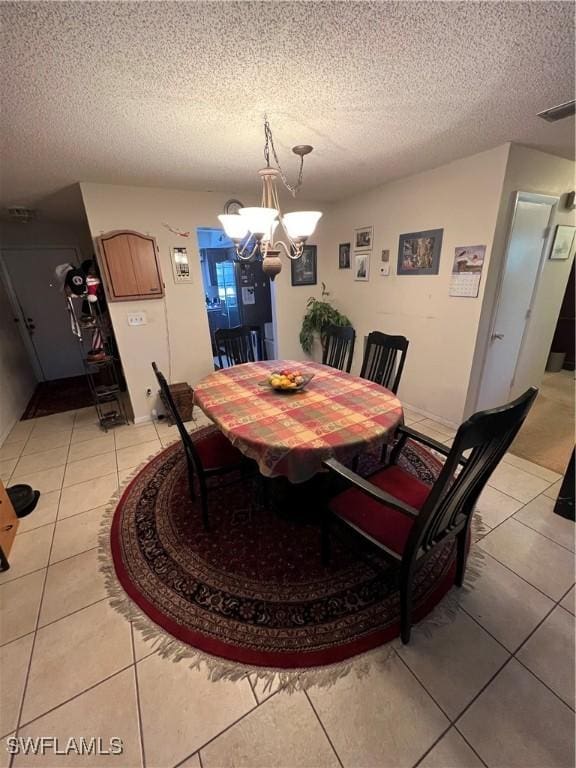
(173, 94)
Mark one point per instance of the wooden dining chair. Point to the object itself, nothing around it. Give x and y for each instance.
(384, 359)
(407, 519)
(338, 347)
(212, 455)
(236, 344)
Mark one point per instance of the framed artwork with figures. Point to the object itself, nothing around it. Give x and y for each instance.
(304, 268)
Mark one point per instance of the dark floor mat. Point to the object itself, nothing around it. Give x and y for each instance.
(57, 396)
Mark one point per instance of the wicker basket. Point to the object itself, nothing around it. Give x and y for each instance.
(183, 396)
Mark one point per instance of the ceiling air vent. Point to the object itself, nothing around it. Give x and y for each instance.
(21, 214)
(558, 113)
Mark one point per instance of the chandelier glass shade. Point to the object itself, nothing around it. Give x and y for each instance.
(252, 229)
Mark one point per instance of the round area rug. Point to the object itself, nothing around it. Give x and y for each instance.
(253, 590)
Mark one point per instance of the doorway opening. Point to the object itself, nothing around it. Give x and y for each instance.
(237, 293)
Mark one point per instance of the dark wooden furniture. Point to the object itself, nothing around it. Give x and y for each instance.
(130, 266)
(183, 399)
(384, 359)
(213, 455)
(338, 348)
(8, 527)
(407, 519)
(236, 344)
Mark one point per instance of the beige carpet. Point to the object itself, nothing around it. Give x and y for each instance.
(547, 437)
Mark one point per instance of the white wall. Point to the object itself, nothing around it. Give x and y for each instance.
(528, 170)
(109, 207)
(462, 198)
(17, 380)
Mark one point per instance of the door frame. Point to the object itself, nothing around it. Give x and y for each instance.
(15, 304)
(528, 197)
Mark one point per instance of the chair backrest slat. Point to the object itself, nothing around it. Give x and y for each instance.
(237, 344)
(487, 435)
(384, 359)
(338, 347)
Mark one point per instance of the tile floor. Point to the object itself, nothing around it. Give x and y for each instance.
(495, 687)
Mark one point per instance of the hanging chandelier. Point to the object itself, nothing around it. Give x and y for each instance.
(252, 229)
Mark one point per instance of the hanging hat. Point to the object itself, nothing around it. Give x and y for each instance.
(60, 273)
(75, 281)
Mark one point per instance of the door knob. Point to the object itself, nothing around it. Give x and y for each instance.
(497, 336)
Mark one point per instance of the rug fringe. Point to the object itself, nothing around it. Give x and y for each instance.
(289, 680)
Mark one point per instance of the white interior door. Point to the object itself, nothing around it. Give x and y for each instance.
(41, 308)
(522, 267)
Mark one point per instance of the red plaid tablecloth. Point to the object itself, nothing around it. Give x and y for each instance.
(337, 415)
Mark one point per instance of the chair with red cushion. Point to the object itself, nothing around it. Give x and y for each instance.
(407, 519)
(208, 457)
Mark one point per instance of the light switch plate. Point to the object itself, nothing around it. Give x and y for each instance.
(137, 318)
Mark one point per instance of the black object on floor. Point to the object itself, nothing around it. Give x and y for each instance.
(24, 499)
(565, 502)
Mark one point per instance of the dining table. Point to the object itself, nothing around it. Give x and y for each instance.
(291, 433)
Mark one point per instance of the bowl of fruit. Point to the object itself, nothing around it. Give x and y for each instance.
(287, 380)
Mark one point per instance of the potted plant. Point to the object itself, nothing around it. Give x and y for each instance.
(320, 314)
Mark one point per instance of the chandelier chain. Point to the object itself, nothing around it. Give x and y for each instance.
(269, 144)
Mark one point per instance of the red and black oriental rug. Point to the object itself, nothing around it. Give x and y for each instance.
(252, 590)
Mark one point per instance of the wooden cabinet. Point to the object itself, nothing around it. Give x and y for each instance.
(130, 265)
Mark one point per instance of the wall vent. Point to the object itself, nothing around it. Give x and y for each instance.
(21, 214)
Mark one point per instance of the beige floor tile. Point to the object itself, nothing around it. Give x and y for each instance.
(88, 495)
(539, 515)
(56, 422)
(504, 604)
(453, 661)
(136, 454)
(142, 647)
(385, 713)
(87, 432)
(14, 659)
(194, 709)
(495, 506)
(89, 469)
(192, 762)
(94, 447)
(451, 752)
(86, 417)
(37, 462)
(569, 600)
(45, 512)
(20, 431)
(518, 723)
(72, 584)
(5, 756)
(409, 413)
(7, 467)
(134, 435)
(44, 481)
(30, 552)
(533, 469)
(553, 491)
(437, 426)
(549, 653)
(427, 430)
(46, 441)
(106, 711)
(73, 654)
(531, 556)
(262, 690)
(125, 474)
(19, 604)
(516, 482)
(76, 534)
(12, 450)
(257, 741)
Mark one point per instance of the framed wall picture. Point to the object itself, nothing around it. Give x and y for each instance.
(304, 268)
(563, 242)
(363, 238)
(419, 252)
(362, 266)
(344, 256)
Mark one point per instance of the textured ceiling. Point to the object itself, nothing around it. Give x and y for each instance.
(173, 94)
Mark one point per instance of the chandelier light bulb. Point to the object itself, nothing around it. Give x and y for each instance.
(259, 220)
(234, 225)
(301, 224)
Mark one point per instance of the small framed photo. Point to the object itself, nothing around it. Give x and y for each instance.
(563, 242)
(363, 238)
(344, 256)
(419, 252)
(362, 266)
(304, 268)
